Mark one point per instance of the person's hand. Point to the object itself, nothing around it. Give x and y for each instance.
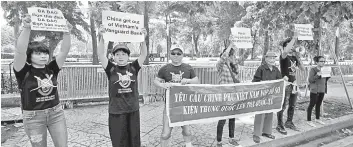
(296, 34)
(285, 78)
(319, 73)
(69, 26)
(184, 81)
(144, 32)
(101, 30)
(27, 21)
(165, 85)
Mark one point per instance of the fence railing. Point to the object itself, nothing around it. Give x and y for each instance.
(90, 81)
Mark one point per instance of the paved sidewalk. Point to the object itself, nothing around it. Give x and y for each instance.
(88, 126)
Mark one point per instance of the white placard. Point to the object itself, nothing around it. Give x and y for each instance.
(47, 19)
(242, 37)
(326, 71)
(305, 31)
(122, 27)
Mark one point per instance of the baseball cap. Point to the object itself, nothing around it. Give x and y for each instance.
(177, 49)
(271, 54)
(121, 47)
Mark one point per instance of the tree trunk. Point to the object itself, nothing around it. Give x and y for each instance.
(265, 46)
(110, 47)
(253, 46)
(317, 34)
(195, 39)
(147, 29)
(94, 42)
(336, 53)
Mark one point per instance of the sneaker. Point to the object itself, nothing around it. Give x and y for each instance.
(281, 130)
(233, 142)
(311, 123)
(256, 138)
(290, 125)
(219, 144)
(319, 121)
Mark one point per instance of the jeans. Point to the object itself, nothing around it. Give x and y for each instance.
(220, 125)
(37, 122)
(291, 100)
(315, 100)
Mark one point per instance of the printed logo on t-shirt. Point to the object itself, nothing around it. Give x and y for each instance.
(124, 81)
(292, 67)
(45, 87)
(176, 78)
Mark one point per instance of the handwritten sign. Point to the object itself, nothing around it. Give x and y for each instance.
(305, 31)
(47, 19)
(326, 71)
(242, 37)
(122, 27)
(200, 103)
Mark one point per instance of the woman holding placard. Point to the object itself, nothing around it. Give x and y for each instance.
(37, 81)
(318, 88)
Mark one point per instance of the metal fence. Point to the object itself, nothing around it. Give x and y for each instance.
(90, 81)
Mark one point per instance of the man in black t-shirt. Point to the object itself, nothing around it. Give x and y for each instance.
(175, 72)
(289, 63)
(124, 114)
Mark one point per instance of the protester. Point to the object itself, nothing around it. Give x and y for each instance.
(227, 70)
(265, 72)
(37, 81)
(169, 74)
(318, 88)
(124, 114)
(289, 63)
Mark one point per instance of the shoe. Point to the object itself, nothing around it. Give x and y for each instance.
(319, 121)
(268, 136)
(256, 138)
(311, 123)
(290, 125)
(233, 142)
(281, 130)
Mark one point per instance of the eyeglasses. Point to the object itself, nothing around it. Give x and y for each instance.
(174, 53)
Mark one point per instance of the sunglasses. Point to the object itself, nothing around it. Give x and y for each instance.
(176, 53)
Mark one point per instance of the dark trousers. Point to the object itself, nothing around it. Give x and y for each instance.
(220, 125)
(291, 100)
(124, 129)
(315, 100)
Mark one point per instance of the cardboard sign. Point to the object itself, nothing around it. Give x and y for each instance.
(122, 27)
(47, 19)
(200, 103)
(326, 71)
(242, 37)
(305, 31)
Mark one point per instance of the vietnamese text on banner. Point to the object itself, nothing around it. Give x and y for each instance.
(200, 103)
(304, 31)
(122, 27)
(47, 19)
(242, 37)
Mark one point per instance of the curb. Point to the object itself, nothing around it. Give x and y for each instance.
(335, 124)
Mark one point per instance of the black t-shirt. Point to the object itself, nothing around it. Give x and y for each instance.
(38, 86)
(289, 65)
(123, 92)
(174, 74)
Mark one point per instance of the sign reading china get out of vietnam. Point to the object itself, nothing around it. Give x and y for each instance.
(47, 19)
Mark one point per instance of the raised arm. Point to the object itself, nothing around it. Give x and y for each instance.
(143, 49)
(65, 47)
(22, 44)
(289, 46)
(101, 51)
(223, 59)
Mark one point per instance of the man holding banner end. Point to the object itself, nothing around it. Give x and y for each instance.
(265, 72)
(169, 75)
(289, 63)
(124, 114)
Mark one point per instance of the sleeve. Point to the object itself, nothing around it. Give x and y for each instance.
(192, 73)
(161, 72)
(297, 61)
(108, 68)
(20, 75)
(313, 76)
(136, 65)
(258, 75)
(279, 75)
(53, 65)
(221, 63)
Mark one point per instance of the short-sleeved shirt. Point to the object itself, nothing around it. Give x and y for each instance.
(289, 66)
(38, 86)
(264, 73)
(173, 74)
(123, 91)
